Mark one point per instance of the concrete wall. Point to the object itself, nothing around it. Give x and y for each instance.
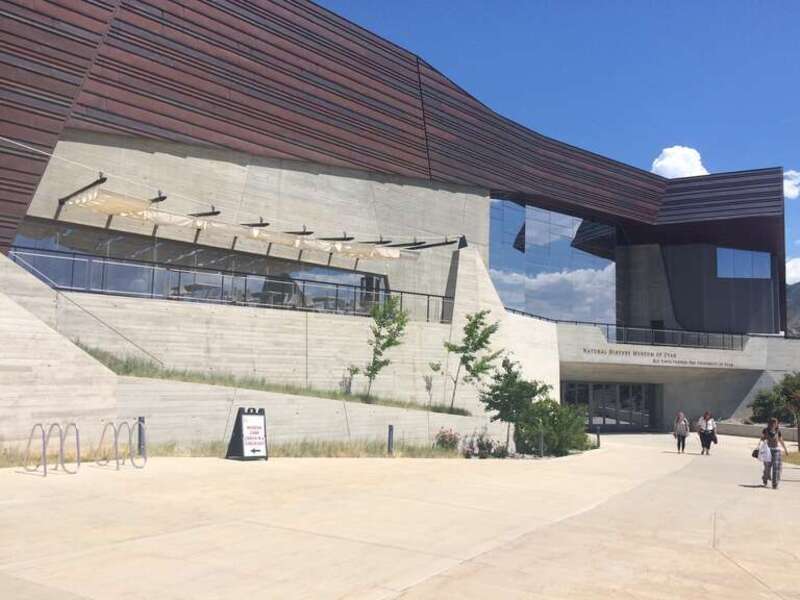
(187, 413)
(287, 194)
(44, 378)
(754, 431)
(531, 342)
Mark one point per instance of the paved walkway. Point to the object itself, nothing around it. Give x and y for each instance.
(631, 520)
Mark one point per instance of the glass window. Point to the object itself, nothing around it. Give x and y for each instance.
(762, 265)
(724, 262)
(565, 269)
(743, 264)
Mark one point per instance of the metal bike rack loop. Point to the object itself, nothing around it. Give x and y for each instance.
(44, 435)
(130, 455)
(54, 427)
(43, 452)
(67, 427)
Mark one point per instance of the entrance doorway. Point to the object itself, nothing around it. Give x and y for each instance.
(615, 406)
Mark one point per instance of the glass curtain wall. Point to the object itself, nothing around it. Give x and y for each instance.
(86, 258)
(792, 212)
(551, 264)
(614, 406)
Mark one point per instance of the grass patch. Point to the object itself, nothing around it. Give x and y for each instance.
(13, 457)
(138, 367)
(793, 457)
(356, 449)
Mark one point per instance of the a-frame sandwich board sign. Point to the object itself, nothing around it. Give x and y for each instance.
(249, 436)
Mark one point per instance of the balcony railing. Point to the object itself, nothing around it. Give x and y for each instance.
(141, 279)
(620, 334)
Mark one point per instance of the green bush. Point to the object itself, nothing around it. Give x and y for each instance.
(450, 410)
(563, 426)
(771, 403)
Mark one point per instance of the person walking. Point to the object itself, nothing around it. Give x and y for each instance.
(680, 431)
(707, 428)
(772, 437)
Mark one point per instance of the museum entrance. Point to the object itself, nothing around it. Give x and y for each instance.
(615, 406)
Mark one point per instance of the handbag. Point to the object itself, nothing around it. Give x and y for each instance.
(714, 437)
(755, 453)
(764, 452)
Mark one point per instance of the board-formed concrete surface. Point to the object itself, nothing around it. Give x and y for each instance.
(631, 520)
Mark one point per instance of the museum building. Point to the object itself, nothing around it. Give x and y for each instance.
(232, 187)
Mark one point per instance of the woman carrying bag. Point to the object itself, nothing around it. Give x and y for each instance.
(770, 454)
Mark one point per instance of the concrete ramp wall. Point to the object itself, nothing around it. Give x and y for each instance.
(188, 412)
(46, 378)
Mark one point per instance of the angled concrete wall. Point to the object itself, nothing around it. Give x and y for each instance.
(44, 378)
(187, 413)
(531, 342)
(287, 194)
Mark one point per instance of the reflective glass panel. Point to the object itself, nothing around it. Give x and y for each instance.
(551, 264)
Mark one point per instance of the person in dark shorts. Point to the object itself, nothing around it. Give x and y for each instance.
(773, 437)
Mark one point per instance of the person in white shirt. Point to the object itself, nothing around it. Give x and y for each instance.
(707, 428)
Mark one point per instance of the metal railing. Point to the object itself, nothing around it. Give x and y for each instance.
(648, 336)
(71, 271)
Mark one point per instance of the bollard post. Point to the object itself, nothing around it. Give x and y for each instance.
(597, 431)
(140, 431)
(541, 442)
(390, 441)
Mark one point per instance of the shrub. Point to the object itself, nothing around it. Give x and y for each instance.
(450, 410)
(563, 428)
(509, 396)
(483, 446)
(447, 439)
(771, 403)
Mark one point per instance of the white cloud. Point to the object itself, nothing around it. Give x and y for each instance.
(793, 270)
(579, 295)
(679, 161)
(791, 184)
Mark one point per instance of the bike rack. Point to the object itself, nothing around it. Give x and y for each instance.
(45, 435)
(42, 456)
(117, 430)
(73, 426)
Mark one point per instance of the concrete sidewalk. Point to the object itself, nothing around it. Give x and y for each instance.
(632, 520)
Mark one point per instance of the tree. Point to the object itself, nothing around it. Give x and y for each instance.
(435, 367)
(561, 427)
(789, 388)
(388, 326)
(510, 396)
(473, 351)
(768, 403)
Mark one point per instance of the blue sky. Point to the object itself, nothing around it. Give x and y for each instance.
(625, 79)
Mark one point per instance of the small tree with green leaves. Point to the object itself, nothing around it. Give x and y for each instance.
(510, 396)
(768, 403)
(435, 368)
(789, 388)
(474, 356)
(388, 326)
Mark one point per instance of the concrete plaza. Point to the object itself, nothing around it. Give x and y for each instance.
(631, 520)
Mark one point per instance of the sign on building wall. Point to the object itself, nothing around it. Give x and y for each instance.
(249, 435)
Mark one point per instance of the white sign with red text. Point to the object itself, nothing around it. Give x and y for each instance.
(254, 436)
